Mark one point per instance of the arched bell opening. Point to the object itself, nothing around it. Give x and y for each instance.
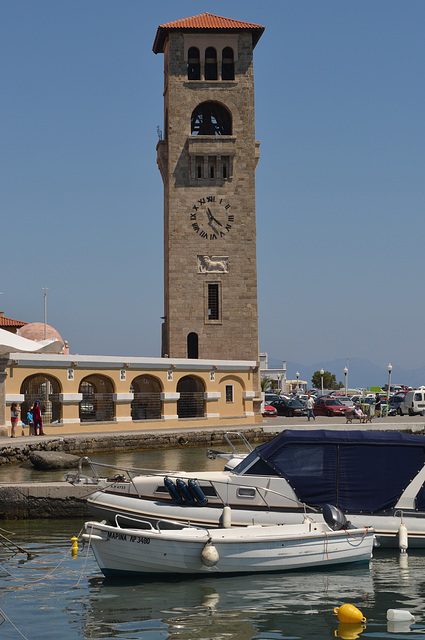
(193, 64)
(211, 119)
(227, 64)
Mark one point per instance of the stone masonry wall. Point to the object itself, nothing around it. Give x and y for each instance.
(236, 336)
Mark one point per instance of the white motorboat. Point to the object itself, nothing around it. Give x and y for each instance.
(376, 478)
(193, 550)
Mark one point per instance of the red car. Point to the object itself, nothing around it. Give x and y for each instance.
(269, 410)
(329, 407)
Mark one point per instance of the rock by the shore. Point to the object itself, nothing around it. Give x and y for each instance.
(48, 460)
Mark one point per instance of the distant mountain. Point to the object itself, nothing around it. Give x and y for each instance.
(361, 372)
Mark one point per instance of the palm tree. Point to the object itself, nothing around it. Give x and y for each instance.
(266, 383)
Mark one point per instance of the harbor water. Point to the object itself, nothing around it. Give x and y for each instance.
(46, 592)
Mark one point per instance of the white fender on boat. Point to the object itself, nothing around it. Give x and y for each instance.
(227, 517)
(403, 542)
(209, 555)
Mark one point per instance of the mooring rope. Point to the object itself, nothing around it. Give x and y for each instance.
(45, 576)
(5, 617)
(8, 543)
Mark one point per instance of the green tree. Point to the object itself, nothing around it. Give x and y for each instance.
(329, 381)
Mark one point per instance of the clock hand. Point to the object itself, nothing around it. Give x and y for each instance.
(209, 215)
(210, 224)
(217, 221)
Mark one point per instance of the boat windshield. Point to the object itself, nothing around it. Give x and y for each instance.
(253, 465)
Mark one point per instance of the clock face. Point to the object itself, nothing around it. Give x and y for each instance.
(211, 217)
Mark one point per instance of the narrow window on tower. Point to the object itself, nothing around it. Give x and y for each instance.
(225, 167)
(210, 64)
(192, 345)
(213, 302)
(199, 166)
(193, 64)
(227, 65)
(211, 166)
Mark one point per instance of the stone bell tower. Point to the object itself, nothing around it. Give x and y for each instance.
(207, 158)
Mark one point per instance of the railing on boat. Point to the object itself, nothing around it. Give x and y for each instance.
(127, 474)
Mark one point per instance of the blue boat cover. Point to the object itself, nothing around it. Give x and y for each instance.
(358, 471)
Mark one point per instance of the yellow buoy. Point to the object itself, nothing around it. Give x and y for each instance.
(349, 613)
(74, 541)
(349, 630)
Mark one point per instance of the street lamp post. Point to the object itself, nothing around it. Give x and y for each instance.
(346, 374)
(297, 376)
(322, 373)
(45, 311)
(390, 368)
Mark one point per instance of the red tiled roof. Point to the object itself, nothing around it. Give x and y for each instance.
(8, 322)
(206, 22)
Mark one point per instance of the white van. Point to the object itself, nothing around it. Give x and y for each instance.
(413, 402)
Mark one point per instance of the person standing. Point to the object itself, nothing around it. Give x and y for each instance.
(309, 404)
(377, 406)
(14, 417)
(30, 422)
(36, 416)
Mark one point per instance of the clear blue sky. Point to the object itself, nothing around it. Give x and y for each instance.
(340, 184)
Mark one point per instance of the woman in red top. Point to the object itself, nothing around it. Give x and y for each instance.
(36, 415)
(14, 417)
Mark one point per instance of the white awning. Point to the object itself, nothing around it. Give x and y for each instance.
(11, 343)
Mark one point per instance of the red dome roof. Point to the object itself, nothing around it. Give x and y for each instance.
(35, 331)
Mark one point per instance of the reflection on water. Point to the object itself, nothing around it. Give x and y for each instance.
(182, 459)
(52, 594)
(286, 604)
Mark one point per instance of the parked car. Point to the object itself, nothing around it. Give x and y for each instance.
(368, 399)
(413, 403)
(269, 397)
(394, 403)
(269, 410)
(327, 406)
(289, 407)
(346, 401)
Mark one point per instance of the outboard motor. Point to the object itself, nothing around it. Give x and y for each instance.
(334, 518)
